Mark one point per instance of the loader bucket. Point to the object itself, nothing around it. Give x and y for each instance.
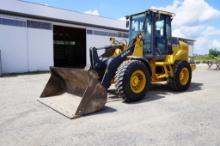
(73, 92)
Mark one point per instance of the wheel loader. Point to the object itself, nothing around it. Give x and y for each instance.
(151, 56)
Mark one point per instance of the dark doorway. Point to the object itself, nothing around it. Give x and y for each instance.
(69, 47)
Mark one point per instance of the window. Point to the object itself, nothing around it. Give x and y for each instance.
(106, 33)
(137, 25)
(148, 36)
(160, 34)
(160, 28)
(60, 42)
(37, 24)
(12, 22)
(142, 23)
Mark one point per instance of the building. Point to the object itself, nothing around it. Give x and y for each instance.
(34, 37)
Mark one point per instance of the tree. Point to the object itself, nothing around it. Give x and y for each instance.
(214, 53)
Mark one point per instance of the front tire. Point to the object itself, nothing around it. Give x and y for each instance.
(132, 80)
(182, 76)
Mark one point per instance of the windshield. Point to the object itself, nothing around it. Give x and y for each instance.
(137, 24)
(141, 23)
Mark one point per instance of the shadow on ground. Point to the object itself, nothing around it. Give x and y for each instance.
(156, 92)
(105, 110)
(23, 74)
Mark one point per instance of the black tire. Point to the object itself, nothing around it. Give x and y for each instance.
(122, 80)
(175, 83)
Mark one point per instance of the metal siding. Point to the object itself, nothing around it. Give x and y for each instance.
(40, 49)
(25, 47)
(13, 44)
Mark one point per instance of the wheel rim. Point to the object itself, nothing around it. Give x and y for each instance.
(184, 76)
(137, 81)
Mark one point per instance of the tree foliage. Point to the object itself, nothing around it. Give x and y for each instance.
(214, 53)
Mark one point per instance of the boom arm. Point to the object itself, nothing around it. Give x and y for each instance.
(110, 65)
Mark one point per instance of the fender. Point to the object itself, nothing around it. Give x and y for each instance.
(144, 60)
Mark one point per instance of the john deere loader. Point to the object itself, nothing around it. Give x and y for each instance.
(152, 55)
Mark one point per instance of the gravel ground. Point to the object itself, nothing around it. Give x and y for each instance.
(162, 118)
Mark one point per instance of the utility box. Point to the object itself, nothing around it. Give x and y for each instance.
(0, 64)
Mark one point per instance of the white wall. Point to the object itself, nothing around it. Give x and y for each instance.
(40, 49)
(13, 43)
(25, 49)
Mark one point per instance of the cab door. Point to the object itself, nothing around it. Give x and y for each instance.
(162, 34)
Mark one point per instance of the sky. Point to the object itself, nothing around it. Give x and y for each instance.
(195, 19)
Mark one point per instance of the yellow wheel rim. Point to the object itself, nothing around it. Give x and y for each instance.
(184, 76)
(137, 81)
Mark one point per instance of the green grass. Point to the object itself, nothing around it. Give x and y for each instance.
(217, 58)
(203, 58)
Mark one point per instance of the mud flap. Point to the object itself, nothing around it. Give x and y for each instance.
(73, 92)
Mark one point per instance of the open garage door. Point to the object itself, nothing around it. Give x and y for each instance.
(69, 47)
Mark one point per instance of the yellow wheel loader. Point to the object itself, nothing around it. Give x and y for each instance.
(152, 55)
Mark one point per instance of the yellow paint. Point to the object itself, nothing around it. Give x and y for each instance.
(167, 71)
(180, 53)
(117, 52)
(184, 76)
(138, 81)
(138, 49)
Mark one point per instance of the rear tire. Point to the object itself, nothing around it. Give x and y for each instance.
(182, 76)
(132, 80)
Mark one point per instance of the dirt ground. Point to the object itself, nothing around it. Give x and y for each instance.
(162, 118)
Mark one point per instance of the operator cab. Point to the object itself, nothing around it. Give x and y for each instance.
(155, 27)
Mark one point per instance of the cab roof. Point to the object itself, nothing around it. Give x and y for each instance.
(154, 11)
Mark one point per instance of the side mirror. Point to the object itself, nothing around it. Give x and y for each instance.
(127, 23)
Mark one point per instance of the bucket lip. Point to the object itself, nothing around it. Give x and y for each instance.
(72, 116)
